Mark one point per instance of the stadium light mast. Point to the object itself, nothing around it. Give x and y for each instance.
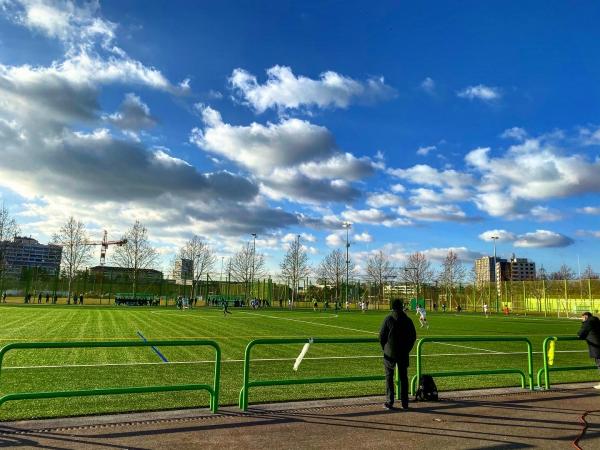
(495, 238)
(347, 226)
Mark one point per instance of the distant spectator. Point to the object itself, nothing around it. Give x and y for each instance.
(47, 297)
(40, 298)
(81, 299)
(397, 337)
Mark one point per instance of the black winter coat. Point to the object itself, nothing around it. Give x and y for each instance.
(397, 344)
(590, 331)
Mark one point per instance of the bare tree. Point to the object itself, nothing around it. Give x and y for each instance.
(564, 273)
(137, 254)
(202, 256)
(417, 270)
(245, 266)
(379, 270)
(589, 274)
(333, 269)
(453, 272)
(294, 266)
(8, 230)
(76, 252)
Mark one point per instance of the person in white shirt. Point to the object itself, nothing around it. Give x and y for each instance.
(422, 316)
(485, 309)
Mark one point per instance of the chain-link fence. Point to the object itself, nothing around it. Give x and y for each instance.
(560, 297)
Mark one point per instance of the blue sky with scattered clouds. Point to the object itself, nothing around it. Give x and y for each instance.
(429, 126)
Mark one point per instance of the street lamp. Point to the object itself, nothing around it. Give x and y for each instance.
(495, 238)
(347, 226)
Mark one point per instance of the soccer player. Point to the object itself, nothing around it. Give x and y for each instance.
(485, 309)
(422, 316)
(226, 308)
(347, 305)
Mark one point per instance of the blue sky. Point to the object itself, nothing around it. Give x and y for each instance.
(429, 126)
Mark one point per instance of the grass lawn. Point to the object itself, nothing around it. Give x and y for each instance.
(67, 369)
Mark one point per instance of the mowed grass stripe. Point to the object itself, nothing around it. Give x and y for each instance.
(139, 366)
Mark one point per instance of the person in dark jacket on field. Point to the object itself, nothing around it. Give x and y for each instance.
(590, 331)
(397, 337)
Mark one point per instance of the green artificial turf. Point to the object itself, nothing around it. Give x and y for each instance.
(71, 369)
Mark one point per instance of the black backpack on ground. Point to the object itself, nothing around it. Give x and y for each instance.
(427, 389)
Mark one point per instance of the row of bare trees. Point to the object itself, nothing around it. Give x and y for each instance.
(246, 265)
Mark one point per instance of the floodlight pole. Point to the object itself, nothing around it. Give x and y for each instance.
(495, 238)
(347, 226)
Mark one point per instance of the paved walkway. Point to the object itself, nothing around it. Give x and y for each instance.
(497, 419)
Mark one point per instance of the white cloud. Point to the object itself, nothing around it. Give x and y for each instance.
(292, 159)
(535, 239)
(334, 240)
(290, 237)
(516, 133)
(372, 216)
(75, 25)
(590, 233)
(397, 188)
(424, 151)
(592, 210)
(284, 90)
(428, 85)
(363, 237)
(589, 135)
(480, 92)
(384, 199)
(437, 213)
(543, 239)
(503, 236)
(463, 253)
(341, 166)
(427, 175)
(263, 148)
(133, 115)
(544, 172)
(545, 214)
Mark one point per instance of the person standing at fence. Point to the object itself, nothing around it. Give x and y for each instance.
(397, 337)
(590, 331)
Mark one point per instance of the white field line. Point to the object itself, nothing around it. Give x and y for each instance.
(211, 361)
(310, 323)
(466, 346)
(229, 317)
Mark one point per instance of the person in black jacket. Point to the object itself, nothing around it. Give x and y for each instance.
(590, 331)
(397, 337)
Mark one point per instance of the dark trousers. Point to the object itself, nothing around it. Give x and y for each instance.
(389, 365)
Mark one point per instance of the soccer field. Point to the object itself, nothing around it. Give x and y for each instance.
(70, 369)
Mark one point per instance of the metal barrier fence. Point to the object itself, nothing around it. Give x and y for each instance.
(212, 390)
(546, 369)
(424, 340)
(243, 400)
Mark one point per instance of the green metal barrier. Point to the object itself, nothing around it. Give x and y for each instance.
(243, 401)
(212, 390)
(546, 369)
(424, 340)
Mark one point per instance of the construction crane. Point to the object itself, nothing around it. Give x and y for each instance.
(104, 243)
